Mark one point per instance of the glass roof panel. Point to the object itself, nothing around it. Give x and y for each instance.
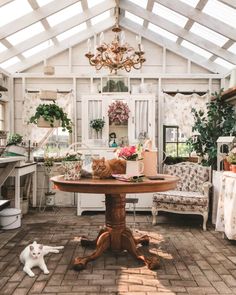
(232, 48)
(37, 48)
(208, 34)
(134, 18)
(191, 2)
(64, 14)
(26, 33)
(14, 10)
(100, 17)
(9, 62)
(221, 11)
(169, 14)
(224, 63)
(72, 32)
(142, 3)
(196, 49)
(92, 3)
(43, 2)
(162, 32)
(2, 47)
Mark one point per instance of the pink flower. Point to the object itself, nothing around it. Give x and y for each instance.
(118, 111)
(128, 153)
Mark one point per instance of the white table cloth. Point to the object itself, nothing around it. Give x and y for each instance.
(226, 213)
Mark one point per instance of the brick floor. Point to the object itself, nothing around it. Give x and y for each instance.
(191, 261)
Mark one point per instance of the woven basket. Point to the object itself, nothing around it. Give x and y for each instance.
(42, 123)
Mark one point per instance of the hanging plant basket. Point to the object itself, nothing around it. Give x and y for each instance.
(42, 123)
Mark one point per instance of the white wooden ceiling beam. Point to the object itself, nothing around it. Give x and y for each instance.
(33, 17)
(150, 5)
(172, 46)
(34, 5)
(177, 30)
(4, 2)
(84, 4)
(58, 29)
(70, 42)
(230, 3)
(200, 17)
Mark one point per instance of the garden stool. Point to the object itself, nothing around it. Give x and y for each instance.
(133, 201)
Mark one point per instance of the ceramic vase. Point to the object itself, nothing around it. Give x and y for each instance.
(72, 169)
(134, 168)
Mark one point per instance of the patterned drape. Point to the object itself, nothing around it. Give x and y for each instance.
(177, 110)
(30, 103)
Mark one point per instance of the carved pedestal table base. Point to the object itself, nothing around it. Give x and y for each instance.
(116, 236)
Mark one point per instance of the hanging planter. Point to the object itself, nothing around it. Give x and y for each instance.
(51, 116)
(118, 112)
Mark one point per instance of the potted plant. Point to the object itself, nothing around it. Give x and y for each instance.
(97, 125)
(231, 158)
(51, 116)
(219, 120)
(72, 165)
(14, 144)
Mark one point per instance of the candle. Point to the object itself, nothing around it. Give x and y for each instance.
(101, 38)
(138, 39)
(89, 45)
(122, 38)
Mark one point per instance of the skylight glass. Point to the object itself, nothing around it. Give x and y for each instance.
(26, 33)
(92, 3)
(2, 47)
(9, 62)
(43, 2)
(100, 17)
(64, 14)
(142, 3)
(191, 2)
(172, 16)
(224, 63)
(37, 48)
(208, 34)
(13, 10)
(232, 48)
(72, 32)
(196, 49)
(162, 32)
(134, 18)
(221, 11)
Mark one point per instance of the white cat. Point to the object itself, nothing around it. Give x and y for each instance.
(33, 255)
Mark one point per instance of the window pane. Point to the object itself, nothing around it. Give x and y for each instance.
(171, 149)
(162, 32)
(183, 150)
(57, 142)
(171, 134)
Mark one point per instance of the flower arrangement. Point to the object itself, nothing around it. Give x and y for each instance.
(129, 153)
(118, 111)
(72, 156)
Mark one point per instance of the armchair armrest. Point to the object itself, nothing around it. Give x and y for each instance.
(206, 187)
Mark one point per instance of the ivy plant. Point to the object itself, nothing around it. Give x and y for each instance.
(51, 113)
(218, 120)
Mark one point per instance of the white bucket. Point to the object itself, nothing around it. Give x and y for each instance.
(10, 218)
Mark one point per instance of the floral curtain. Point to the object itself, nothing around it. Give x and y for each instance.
(30, 103)
(177, 110)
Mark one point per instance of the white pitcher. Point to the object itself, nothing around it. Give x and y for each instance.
(134, 168)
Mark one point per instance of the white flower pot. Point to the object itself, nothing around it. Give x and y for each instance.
(16, 149)
(134, 168)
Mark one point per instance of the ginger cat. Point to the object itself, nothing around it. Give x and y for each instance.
(105, 168)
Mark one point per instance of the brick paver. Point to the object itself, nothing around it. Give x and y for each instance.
(191, 261)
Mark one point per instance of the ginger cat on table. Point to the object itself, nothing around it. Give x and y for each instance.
(105, 168)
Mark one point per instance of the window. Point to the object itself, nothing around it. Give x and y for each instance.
(57, 143)
(174, 144)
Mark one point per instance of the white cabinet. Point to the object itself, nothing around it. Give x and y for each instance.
(141, 122)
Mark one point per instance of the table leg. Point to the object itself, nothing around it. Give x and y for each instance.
(116, 236)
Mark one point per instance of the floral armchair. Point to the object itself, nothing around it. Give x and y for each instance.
(191, 195)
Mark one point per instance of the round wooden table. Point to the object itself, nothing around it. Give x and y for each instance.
(115, 236)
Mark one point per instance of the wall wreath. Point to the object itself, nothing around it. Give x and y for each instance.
(118, 112)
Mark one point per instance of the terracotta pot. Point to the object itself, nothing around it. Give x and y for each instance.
(226, 165)
(233, 168)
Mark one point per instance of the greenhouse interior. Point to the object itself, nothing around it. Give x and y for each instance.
(117, 147)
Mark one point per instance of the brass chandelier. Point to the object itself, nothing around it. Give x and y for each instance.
(117, 55)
